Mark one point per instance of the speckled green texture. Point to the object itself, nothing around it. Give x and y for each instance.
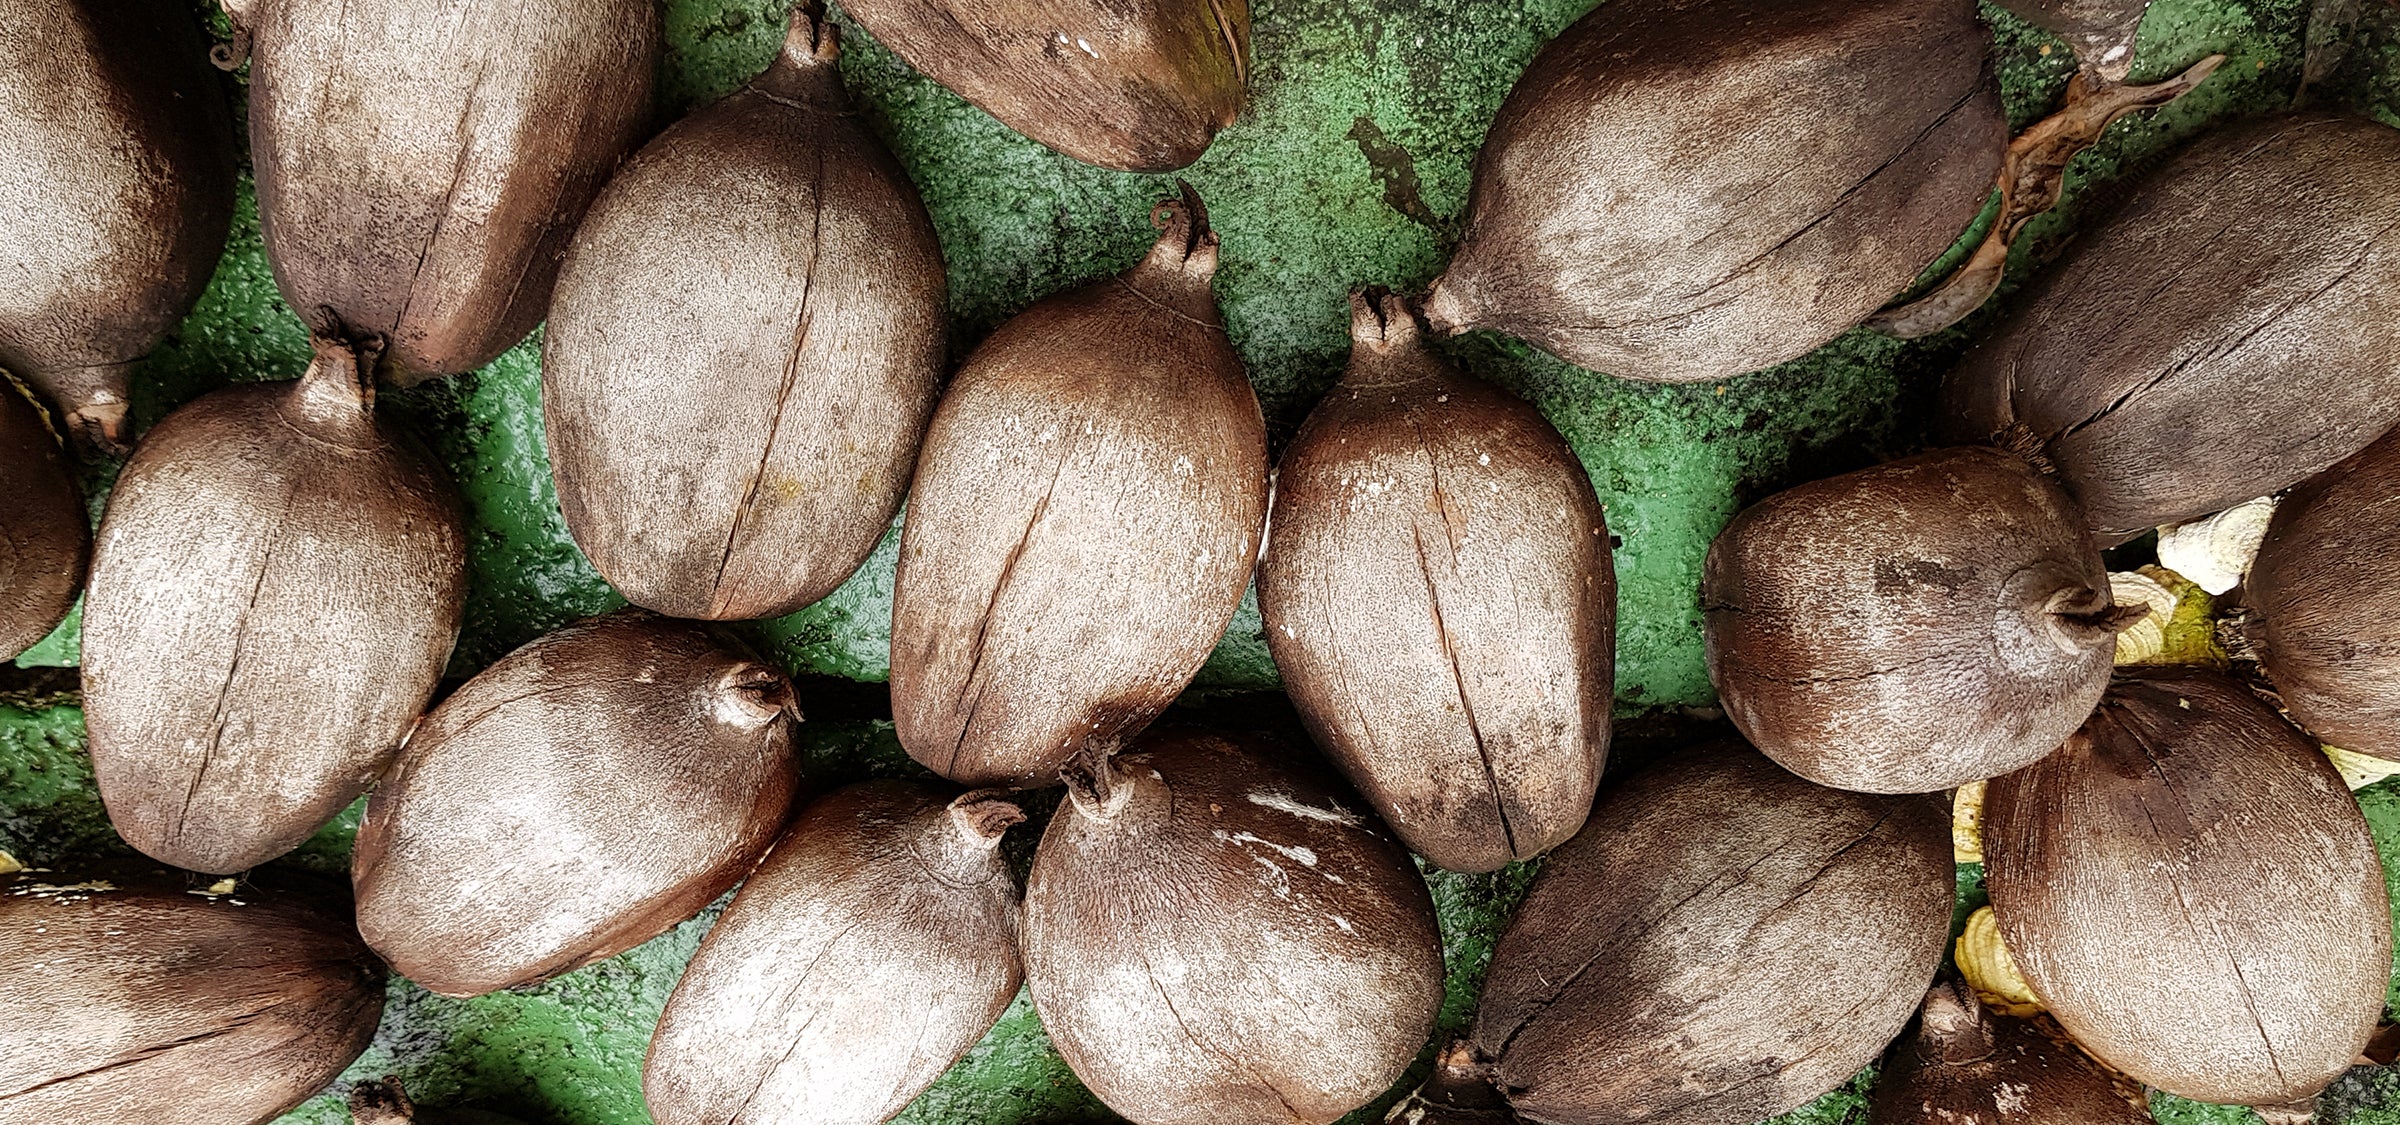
(1349, 168)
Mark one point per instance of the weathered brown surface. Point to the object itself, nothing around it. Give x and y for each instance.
(275, 589)
(871, 949)
(129, 999)
(744, 347)
(1087, 507)
(1964, 1065)
(116, 159)
(45, 539)
(2233, 330)
(572, 801)
(1136, 85)
(1211, 937)
(2325, 606)
(421, 167)
(1722, 943)
(2192, 892)
(1440, 600)
(1685, 190)
(1910, 627)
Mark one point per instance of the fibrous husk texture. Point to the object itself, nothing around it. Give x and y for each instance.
(870, 950)
(572, 801)
(2234, 329)
(45, 538)
(1441, 601)
(1685, 190)
(2324, 621)
(744, 347)
(2193, 893)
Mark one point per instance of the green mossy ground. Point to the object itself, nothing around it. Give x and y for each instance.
(1349, 168)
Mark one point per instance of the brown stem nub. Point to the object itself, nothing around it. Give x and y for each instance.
(1956, 1020)
(1381, 320)
(381, 1103)
(2027, 446)
(1458, 1092)
(810, 39)
(985, 815)
(1183, 221)
(1094, 786)
(337, 392)
(2032, 174)
(752, 695)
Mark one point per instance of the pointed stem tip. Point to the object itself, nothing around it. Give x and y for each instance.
(810, 39)
(1185, 243)
(985, 815)
(1094, 786)
(1381, 320)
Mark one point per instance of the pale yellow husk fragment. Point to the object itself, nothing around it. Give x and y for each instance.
(1984, 961)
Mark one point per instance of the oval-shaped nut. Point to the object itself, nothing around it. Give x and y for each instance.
(128, 999)
(1723, 942)
(1087, 507)
(2260, 267)
(2324, 601)
(1441, 601)
(873, 946)
(743, 350)
(1135, 85)
(1966, 1066)
(1685, 190)
(1213, 937)
(1910, 627)
(2193, 893)
(422, 166)
(276, 586)
(116, 159)
(572, 801)
(45, 537)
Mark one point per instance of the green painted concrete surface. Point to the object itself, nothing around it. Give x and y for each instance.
(1349, 168)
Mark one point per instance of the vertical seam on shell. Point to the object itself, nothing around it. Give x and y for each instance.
(233, 668)
(1441, 626)
(791, 375)
(983, 629)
